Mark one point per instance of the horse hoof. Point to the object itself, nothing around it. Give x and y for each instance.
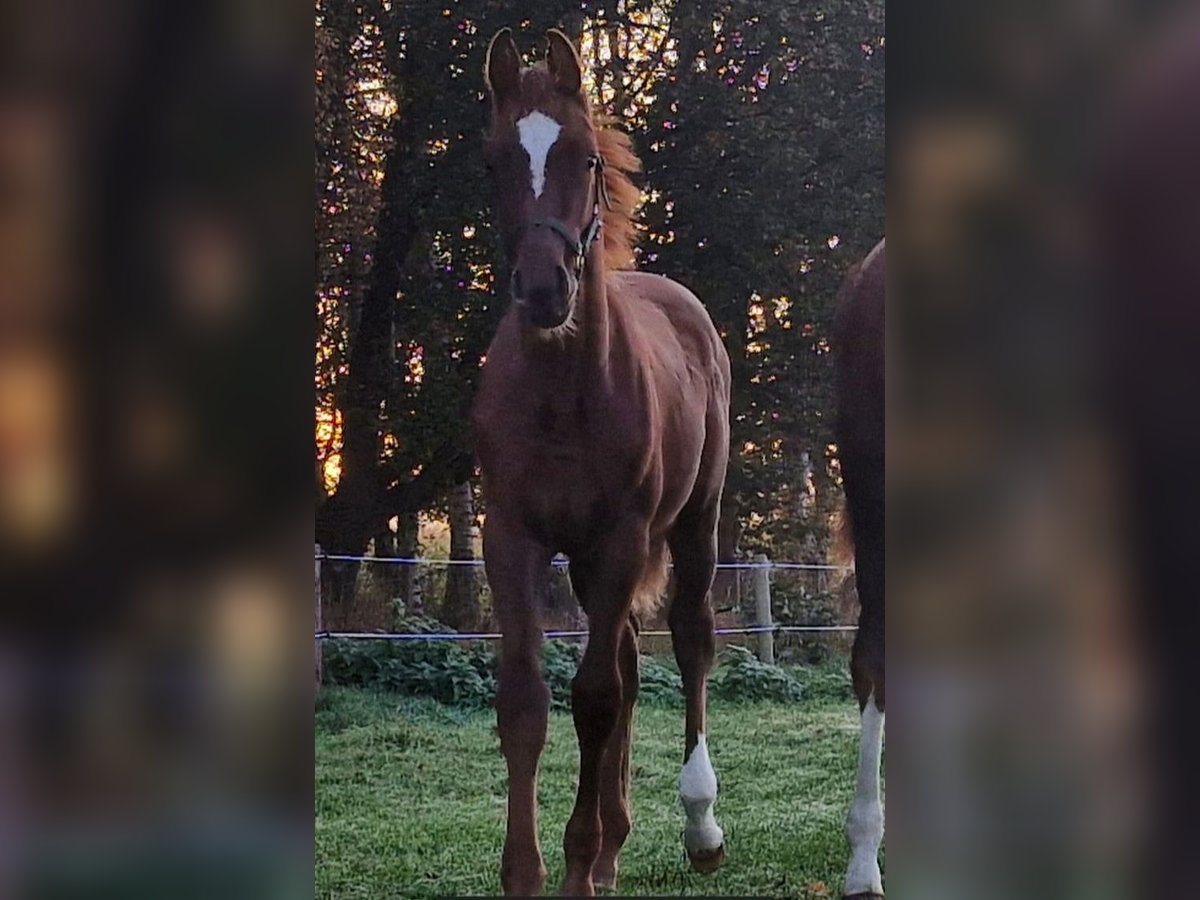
(523, 883)
(707, 861)
(605, 878)
(574, 888)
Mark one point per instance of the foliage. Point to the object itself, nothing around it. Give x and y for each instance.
(418, 623)
(466, 676)
(660, 683)
(441, 670)
(741, 676)
(559, 662)
(767, 149)
(830, 681)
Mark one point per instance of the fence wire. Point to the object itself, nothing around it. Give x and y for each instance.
(562, 565)
(559, 635)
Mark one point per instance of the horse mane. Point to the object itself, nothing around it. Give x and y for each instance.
(619, 230)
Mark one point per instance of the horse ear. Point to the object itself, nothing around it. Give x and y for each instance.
(563, 62)
(502, 67)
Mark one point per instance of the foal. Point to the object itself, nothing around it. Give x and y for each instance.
(602, 431)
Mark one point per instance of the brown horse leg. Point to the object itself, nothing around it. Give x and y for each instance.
(514, 564)
(694, 550)
(596, 698)
(864, 824)
(615, 814)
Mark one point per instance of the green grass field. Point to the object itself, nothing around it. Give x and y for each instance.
(410, 798)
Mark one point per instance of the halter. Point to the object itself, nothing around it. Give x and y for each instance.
(582, 245)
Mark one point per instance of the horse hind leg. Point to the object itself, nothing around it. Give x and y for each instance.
(693, 545)
(865, 822)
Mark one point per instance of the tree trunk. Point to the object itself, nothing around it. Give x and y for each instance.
(461, 607)
(618, 66)
(386, 575)
(407, 547)
(729, 534)
(561, 604)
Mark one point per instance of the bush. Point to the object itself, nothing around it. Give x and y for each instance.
(441, 670)
(660, 684)
(466, 677)
(420, 624)
(560, 659)
(829, 681)
(741, 676)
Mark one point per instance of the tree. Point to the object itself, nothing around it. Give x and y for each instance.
(761, 129)
(765, 153)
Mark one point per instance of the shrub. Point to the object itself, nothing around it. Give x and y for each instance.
(466, 676)
(829, 681)
(741, 676)
(441, 670)
(559, 661)
(660, 683)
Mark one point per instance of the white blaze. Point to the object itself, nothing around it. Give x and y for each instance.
(538, 133)
(864, 825)
(698, 791)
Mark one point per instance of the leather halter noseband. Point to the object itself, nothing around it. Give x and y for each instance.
(582, 245)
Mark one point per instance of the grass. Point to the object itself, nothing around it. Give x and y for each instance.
(410, 798)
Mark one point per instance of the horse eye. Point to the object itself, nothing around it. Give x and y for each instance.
(591, 163)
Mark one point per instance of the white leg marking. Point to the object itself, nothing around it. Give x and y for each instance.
(538, 133)
(698, 791)
(864, 825)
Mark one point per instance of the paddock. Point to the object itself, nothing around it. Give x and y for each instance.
(410, 792)
(410, 796)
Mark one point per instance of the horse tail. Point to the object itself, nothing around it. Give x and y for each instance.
(653, 587)
(841, 551)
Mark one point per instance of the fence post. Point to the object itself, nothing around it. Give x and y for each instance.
(762, 606)
(317, 603)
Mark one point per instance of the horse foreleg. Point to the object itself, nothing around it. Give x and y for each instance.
(522, 698)
(615, 813)
(596, 696)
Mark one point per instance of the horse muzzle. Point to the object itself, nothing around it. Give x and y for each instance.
(546, 299)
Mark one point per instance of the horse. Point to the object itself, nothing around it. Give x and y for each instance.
(601, 427)
(858, 344)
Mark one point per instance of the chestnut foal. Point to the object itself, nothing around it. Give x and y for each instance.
(602, 430)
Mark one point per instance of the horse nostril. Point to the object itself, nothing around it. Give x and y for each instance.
(517, 291)
(564, 281)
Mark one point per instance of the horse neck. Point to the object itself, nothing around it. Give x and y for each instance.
(595, 313)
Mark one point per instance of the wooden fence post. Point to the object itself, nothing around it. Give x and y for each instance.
(762, 606)
(317, 602)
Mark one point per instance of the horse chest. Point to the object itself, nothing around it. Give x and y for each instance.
(566, 466)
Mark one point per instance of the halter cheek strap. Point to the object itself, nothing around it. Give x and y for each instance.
(582, 245)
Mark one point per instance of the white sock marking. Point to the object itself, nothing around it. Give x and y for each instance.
(698, 791)
(538, 133)
(864, 825)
